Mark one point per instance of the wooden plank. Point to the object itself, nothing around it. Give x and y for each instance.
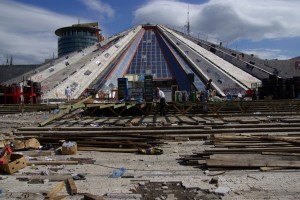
(273, 138)
(288, 120)
(51, 177)
(130, 105)
(114, 132)
(91, 105)
(245, 144)
(63, 112)
(249, 121)
(280, 153)
(61, 197)
(38, 153)
(252, 150)
(119, 105)
(52, 162)
(292, 140)
(271, 168)
(53, 193)
(88, 196)
(58, 115)
(113, 111)
(72, 186)
(86, 121)
(107, 105)
(107, 149)
(251, 160)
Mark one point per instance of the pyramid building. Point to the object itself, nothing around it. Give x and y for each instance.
(171, 58)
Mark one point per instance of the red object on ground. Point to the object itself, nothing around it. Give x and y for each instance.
(249, 93)
(6, 151)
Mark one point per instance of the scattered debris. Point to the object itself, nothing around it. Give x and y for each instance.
(69, 148)
(151, 151)
(222, 190)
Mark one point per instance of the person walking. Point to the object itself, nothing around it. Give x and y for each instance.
(162, 101)
(68, 93)
(208, 88)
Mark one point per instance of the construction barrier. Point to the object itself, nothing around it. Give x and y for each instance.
(30, 93)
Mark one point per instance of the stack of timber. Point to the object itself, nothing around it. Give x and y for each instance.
(249, 151)
(20, 108)
(118, 139)
(223, 107)
(124, 133)
(91, 138)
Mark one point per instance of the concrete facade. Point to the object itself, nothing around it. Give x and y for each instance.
(8, 72)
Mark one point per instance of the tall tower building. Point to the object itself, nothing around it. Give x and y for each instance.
(77, 37)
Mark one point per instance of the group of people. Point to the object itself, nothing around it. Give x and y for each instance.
(160, 95)
(162, 98)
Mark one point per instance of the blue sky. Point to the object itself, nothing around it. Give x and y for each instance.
(268, 29)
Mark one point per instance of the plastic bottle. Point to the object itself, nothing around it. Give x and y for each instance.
(56, 111)
(118, 173)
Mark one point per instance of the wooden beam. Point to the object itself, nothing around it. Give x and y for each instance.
(58, 115)
(140, 108)
(88, 196)
(113, 111)
(81, 101)
(271, 168)
(189, 108)
(92, 105)
(72, 186)
(120, 113)
(64, 106)
(61, 197)
(107, 149)
(250, 160)
(52, 162)
(175, 106)
(119, 105)
(63, 112)
(107, 105)
(130, 105)
(53, 193)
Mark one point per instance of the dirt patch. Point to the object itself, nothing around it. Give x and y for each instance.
(171, 190)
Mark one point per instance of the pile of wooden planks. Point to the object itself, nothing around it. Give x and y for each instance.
(91, 138)
(21, 108)
(249, 151)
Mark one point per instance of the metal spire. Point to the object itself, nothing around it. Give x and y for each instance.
(188, 21)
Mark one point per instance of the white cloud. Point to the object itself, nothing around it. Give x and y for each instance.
(267, 53)
(227, 19)
(27, 32)
(102, 8)
(162, 12)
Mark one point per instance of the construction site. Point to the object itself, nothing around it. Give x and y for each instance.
(111, 141)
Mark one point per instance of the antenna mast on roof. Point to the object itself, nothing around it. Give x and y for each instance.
(11, 60)
(188, 21)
